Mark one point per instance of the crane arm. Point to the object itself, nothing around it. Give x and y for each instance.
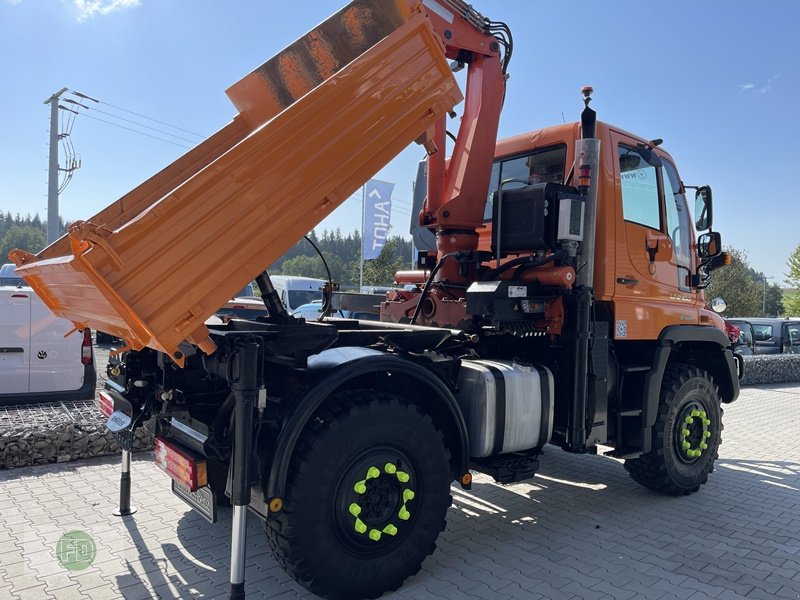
(457, 191)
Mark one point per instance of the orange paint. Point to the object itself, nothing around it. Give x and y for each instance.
(235, 204)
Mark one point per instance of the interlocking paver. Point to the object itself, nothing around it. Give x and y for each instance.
(579, 529)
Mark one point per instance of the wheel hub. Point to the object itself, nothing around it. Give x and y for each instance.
(694, 430)
(375, 505)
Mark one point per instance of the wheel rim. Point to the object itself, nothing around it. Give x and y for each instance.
(374, 505)
(692, 433)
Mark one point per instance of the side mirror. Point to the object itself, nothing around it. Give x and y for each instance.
(709, 245)
(703, 212)
(718, 305)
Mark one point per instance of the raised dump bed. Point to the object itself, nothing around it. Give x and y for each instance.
(314, 123)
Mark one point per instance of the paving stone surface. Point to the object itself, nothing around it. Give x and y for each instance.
(579, 529)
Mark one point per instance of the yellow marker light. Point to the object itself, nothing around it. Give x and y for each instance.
(275, 505)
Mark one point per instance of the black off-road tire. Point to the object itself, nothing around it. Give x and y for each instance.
(689, 406)
(349, 528)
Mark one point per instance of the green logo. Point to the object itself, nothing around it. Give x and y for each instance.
(76, 550)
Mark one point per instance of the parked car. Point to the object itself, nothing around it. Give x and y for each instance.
(771, 336)
(37, 362)
(310, 311)
(741, 335)
(242, 307)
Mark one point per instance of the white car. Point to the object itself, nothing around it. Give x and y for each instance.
(37, 363)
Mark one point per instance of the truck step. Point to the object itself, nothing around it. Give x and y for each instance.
(632, 412)
(508, 468)
(623, 453)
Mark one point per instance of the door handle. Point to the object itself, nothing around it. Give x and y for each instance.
(627, 281)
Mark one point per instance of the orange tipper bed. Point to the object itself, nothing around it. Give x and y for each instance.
(314, 123)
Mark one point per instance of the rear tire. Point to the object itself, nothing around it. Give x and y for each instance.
(366, 497)
(686, 435)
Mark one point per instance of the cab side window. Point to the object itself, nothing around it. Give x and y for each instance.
(639, 182)
(542, 166)
(678, 223)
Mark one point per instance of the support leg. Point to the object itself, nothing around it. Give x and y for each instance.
(244, 382)
(125, 507)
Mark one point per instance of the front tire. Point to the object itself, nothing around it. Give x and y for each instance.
(686, 435)
(366, 497)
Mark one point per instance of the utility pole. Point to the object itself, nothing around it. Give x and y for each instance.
(52, 171)
(764, 302)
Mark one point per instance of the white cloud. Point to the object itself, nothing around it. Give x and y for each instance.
(13, 2)
(88, 9)
(759, 89)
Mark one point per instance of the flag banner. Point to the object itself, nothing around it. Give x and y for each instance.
(377, 214)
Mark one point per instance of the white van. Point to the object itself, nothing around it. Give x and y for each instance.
(37, 363)
(296, 291)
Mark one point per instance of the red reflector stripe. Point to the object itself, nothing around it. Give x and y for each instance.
(105, 403)
(181, 465)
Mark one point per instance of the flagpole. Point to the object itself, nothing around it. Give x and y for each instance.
(363, 209)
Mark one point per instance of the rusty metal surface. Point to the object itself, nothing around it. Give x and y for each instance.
(315, 57)
(154, 279)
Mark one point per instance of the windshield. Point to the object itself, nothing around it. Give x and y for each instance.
(298, 297)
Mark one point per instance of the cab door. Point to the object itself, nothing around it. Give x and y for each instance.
(15, 340)
(654, 237)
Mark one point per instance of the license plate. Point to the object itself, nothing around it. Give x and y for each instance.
(203, 500)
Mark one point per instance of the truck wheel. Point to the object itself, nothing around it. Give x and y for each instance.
(686, 435)
(366, 497)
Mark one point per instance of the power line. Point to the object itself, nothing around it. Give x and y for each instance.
(137, 131)
(143, 125)
(137, 114)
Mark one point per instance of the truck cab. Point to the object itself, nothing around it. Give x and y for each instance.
(645, 241)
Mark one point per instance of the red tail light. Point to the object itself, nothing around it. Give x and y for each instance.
(182, 465)
(86, 347)
(105, 403)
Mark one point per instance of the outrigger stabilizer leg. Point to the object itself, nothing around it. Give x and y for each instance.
(125, 507)
(244, 379)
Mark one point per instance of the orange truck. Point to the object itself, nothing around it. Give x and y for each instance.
(559, 302)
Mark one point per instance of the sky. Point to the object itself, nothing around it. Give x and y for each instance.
(718, 81)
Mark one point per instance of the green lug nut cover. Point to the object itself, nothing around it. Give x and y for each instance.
(688, 420)
(684, 432)
(373, 472)
(706, 421)
(374, 535)
(390, 529)
(702, 414)
(360, 526)
(703, 445)
(706, 434)
(686, 445)
(695, 413)
(408, 495)
(354, 509)
(360, 487)
(402, 476)
(390, 468)
(404, 514)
